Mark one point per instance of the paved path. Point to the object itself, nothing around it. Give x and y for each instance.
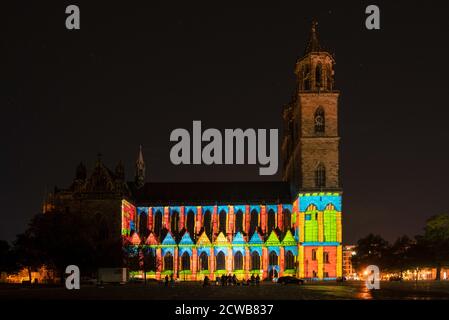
(266, 291)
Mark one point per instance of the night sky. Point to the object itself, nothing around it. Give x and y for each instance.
(137, 70)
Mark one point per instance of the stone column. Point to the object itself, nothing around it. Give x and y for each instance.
(182, 218)
(247, 262)
(229, 260)
(175, 263)
(199, 220)
(263, 218)
(212, 263)
(230, 226)
(265, 262)
(300, 264)
(281, 261)
(150, 219)
(301, 226)
(214, 222)
(166, 218)
(247, 220)
(280, 217)
(320, 226)
(158, 263)
(339, 264)
(319, 257)
(194, 264)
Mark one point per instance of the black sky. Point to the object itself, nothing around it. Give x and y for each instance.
(137, 70)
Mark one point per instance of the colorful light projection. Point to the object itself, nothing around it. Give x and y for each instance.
(307, 242)
(128, 218)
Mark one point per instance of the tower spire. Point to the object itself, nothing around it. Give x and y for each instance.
(313, 45)
(140, 169)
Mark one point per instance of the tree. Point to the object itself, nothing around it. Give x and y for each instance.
(371, 250)
(436, 241)
(60, 239)
(26, 253)
(399, 255)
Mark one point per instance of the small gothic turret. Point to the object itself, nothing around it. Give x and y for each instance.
(81, 172)
(315, 70)
(313, 45)
(120, 171)
(140, 170)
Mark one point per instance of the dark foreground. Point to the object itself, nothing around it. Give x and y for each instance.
(266, 291)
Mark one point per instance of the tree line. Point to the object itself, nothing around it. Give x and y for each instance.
(62, 238)
(427, 250)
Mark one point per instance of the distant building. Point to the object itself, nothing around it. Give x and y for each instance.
(272, 229)
(348, 253)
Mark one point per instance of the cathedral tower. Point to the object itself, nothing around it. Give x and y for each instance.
(140, 169)
(310, 145)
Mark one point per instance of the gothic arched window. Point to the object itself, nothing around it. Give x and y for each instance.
(319, 120)
(326, 257)
(255, 261)
(319, 75)
(287, 220)
(168, 261)
(306, 77)
(185, 261)
(254, 221)
(157, 223)
(238, 261)
(271, 220)
(143, 224)
(150, 259)
(222, 221)
(313, 254)
(174, 222)
(239, 221)
(221, 261)
(191, 223)
(207, 222)
(289, 260)
(204, 261)
(320, 176)
(273, 258)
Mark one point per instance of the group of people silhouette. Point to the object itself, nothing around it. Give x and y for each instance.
(224, 280)
(231, 280)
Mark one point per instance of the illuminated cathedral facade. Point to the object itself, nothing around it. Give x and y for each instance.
(271, 229)
(199, 229)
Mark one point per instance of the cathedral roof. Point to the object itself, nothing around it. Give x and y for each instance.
(181, 193)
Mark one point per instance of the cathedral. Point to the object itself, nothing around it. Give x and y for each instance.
(271, 229)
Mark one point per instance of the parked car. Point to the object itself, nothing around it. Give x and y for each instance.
(290, 279)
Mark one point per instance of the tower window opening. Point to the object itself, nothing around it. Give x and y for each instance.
(320, 176)
(318, 75)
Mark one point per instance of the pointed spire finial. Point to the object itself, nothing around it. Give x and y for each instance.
(314, 44)
(140, 169)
